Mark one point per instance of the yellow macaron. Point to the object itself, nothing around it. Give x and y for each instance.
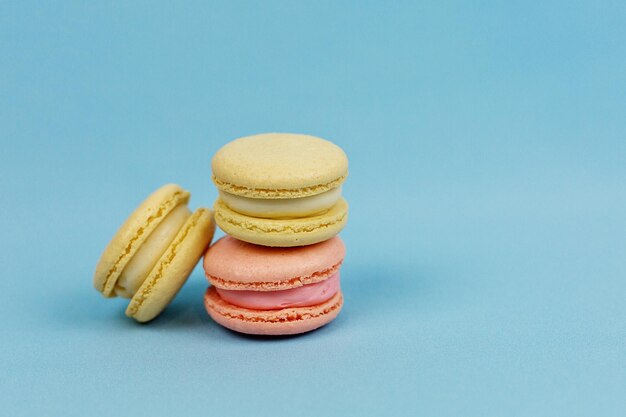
(154, 251)
(280, 189)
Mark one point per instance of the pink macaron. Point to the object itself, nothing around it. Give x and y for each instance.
(273, 291)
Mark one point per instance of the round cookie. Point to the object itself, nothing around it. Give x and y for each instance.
(273, 291)
(153, 253)
(280, 189)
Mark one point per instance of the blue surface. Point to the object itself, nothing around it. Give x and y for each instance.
(487, 249)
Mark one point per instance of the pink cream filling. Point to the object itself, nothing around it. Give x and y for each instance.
(305, 296)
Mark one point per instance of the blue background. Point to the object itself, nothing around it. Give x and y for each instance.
(486, 272)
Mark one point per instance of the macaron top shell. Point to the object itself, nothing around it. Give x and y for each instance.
(236, 265)
(133, 233)
(282, 232)
(279, 165)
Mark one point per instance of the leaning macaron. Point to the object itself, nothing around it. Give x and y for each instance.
(273, 291)
(154, 251)
(280, 189)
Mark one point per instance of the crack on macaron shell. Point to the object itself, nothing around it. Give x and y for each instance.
(294, 282)
(161, 212)
(168, 257)
(276, 193)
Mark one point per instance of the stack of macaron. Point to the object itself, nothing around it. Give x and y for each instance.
(277, 270)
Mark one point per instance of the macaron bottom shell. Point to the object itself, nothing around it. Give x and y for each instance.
(286, 321)
(282, 232)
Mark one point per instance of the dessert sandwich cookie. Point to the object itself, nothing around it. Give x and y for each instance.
(154, 251)
(273, 291)
(280, 189)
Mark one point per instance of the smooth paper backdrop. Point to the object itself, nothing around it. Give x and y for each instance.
(486, 268)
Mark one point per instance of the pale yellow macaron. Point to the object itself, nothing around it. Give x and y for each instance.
(280, 189)
(154, 251)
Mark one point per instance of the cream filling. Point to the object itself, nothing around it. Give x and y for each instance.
(305, 296)
(140, 265)
(282, 208)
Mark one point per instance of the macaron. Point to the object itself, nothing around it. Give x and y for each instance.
(154, 251)
(280, 189)
(264, 290)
